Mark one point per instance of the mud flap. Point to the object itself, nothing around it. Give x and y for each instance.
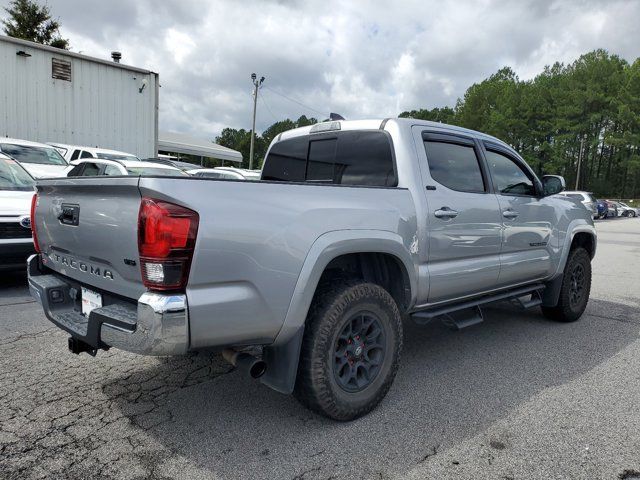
(551, 293)
(282, 363)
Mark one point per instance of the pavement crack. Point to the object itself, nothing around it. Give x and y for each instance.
(430, 453)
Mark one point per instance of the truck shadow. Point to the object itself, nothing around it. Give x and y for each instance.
(450, 386)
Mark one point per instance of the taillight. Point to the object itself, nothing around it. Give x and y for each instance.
(34, 233)
(166, 240)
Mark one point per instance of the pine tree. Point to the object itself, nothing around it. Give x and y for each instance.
(29, 20)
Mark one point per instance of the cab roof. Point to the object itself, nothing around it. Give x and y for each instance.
(383, 123)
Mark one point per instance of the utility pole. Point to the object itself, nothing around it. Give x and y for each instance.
(580, 159)
(256, 85)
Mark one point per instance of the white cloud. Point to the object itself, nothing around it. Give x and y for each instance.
(370, 58)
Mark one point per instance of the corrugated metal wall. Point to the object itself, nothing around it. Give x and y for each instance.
(101, 106)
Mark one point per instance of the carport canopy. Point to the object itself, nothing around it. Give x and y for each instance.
(180, 143)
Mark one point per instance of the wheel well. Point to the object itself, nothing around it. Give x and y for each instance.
(383, 269)
(584, 240)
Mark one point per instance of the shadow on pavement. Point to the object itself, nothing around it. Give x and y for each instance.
(450, 386)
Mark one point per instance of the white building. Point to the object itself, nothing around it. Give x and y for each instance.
(52, 95)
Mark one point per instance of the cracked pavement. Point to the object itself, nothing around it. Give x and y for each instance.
(515, 397)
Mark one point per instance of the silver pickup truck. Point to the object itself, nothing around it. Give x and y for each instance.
(304, 278)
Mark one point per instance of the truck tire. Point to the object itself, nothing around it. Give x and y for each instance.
(350, 351)
(576, 285)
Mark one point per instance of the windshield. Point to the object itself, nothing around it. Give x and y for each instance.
(13, 176)
(31, 154)
(166, 172)
(115, 156)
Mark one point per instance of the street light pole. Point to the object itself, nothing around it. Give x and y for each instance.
(580, 160)
(256, 85)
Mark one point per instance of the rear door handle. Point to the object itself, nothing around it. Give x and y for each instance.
(510, 214)
(445, 212)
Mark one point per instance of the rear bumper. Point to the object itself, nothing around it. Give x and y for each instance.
(157, 324)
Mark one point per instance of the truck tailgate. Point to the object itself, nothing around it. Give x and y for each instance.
(87, 230)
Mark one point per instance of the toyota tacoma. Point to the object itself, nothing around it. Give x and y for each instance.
(305, 277)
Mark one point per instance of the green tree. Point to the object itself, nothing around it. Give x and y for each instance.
(29, 20)
(592, 102)
(441, 115)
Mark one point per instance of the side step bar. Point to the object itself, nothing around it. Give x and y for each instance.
(465, 314)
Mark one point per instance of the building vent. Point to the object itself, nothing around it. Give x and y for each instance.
(61, 69)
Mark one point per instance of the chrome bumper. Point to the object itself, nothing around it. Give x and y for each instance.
(157, 325)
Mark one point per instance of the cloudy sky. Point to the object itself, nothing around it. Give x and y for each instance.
(360, 59)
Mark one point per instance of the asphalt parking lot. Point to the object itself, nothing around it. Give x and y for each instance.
(515, 397)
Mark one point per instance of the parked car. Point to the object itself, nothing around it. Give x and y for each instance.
(99, 166)
(303, 278)
(603, 209)
(226, 172)
(75, 152)
(625, 210)
(17, 189)
(184, 166)
(586, 198)
(39, 159)
(612, 209)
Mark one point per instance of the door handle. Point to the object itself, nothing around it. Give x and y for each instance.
(445, 212)
(510, 214)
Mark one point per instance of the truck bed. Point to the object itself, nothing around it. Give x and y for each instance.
(252, 240)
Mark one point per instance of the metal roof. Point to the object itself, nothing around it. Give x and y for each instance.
(68, 53)
(180, 143)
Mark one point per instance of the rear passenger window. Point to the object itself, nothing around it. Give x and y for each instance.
(345, 158)
(85, 154)
(454, 166)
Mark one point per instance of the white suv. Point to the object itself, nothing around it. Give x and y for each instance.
(16, 194)
(97, 167)
(587, 199)
(75, 152)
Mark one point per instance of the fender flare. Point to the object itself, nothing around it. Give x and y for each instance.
(283, 354)
(575, 227)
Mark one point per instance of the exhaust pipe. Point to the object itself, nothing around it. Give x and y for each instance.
(246, 362)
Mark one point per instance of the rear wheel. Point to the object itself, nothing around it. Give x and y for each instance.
(351, 350)
(576, 286)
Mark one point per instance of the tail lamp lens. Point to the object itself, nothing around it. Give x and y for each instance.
(34, 234)
(166, 240)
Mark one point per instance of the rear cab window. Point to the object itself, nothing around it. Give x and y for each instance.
(357, 158)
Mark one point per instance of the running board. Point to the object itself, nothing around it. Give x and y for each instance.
(463, 318)
(474, 313)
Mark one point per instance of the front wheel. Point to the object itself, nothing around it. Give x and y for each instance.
(575, 290)
(350, 351)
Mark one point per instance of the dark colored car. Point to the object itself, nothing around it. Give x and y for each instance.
(603, 209)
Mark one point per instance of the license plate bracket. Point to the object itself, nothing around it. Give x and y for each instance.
(90, 301)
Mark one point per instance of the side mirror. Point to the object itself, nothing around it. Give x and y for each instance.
(552, 184)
